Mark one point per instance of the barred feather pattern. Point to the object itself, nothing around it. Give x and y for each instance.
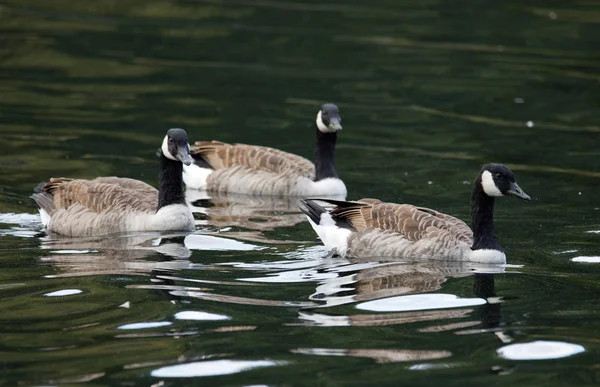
(402, 230)
(261, 158)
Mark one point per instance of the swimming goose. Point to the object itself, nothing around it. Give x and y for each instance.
(259, 170)
(111, 204)
(371, 228)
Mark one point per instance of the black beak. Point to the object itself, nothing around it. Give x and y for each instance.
(515, 190)
(335, 123)
(183, 154)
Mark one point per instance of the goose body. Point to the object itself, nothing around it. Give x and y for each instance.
(77, 207)
(371, 228)
(259, 170)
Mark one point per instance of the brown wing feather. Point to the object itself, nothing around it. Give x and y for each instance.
(414, 223)
(104, 194)
(222, 155)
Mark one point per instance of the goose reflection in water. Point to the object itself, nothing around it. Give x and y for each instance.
(402, 293)
(256, 213)
(128, 254)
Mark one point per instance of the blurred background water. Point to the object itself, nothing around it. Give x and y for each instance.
(428, 92)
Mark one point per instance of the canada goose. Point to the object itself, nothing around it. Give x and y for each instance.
(370, 228)
(112, 204)
(259, 170)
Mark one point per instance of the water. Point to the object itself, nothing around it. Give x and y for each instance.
(428, 92)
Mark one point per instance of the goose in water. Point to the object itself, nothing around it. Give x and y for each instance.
(259, 170)
(371, 228)
(105, 205)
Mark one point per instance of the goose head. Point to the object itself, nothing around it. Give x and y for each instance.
(328, 118)
(175, 146)
(498, 180)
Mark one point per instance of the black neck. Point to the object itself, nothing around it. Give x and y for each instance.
(170, 182)
(324, 154)
(482, 213)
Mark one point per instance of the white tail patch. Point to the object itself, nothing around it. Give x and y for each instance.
(332, 236)
(195, 177)
(45, 217)
(488, 185)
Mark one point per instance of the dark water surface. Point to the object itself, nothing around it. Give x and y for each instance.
(428, 92)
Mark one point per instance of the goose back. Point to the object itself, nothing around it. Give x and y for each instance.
(100, 206)
(221, 155)
(413, 223)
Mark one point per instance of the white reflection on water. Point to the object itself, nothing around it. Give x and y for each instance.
(586, 259)
(539, 350)
(292, 276)
(64, 292)
(28, 225)
(208, 242)
(146, 325)
(430, 366)
(22, 219)
(200, 316)
(379, 355)
(211, 368)
(419, 302)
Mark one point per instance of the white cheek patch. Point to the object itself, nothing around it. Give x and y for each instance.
(165, 149)
(488, 185)
(322, 127)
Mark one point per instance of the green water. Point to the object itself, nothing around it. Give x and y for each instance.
(428, 92)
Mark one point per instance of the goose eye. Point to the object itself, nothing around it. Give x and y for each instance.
(499, 176)
(171, 140)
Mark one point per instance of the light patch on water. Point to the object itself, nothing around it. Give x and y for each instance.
(593, 232)
(125, 305)
(207, 242)
(316, 252)
(429, 366)
(21, 219)
(296, 264)
(29, 225)
(292, 276)
(379, 355)
(200, 316)
(211, 368)
(356, 267)
(325, 320)
(513, 266)
(586, 259)
(20, 232)
(419, 302)
(9, 286)
(64, 292)
(490, 269)
(146, 325)
(564, 252)
(539, 350)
